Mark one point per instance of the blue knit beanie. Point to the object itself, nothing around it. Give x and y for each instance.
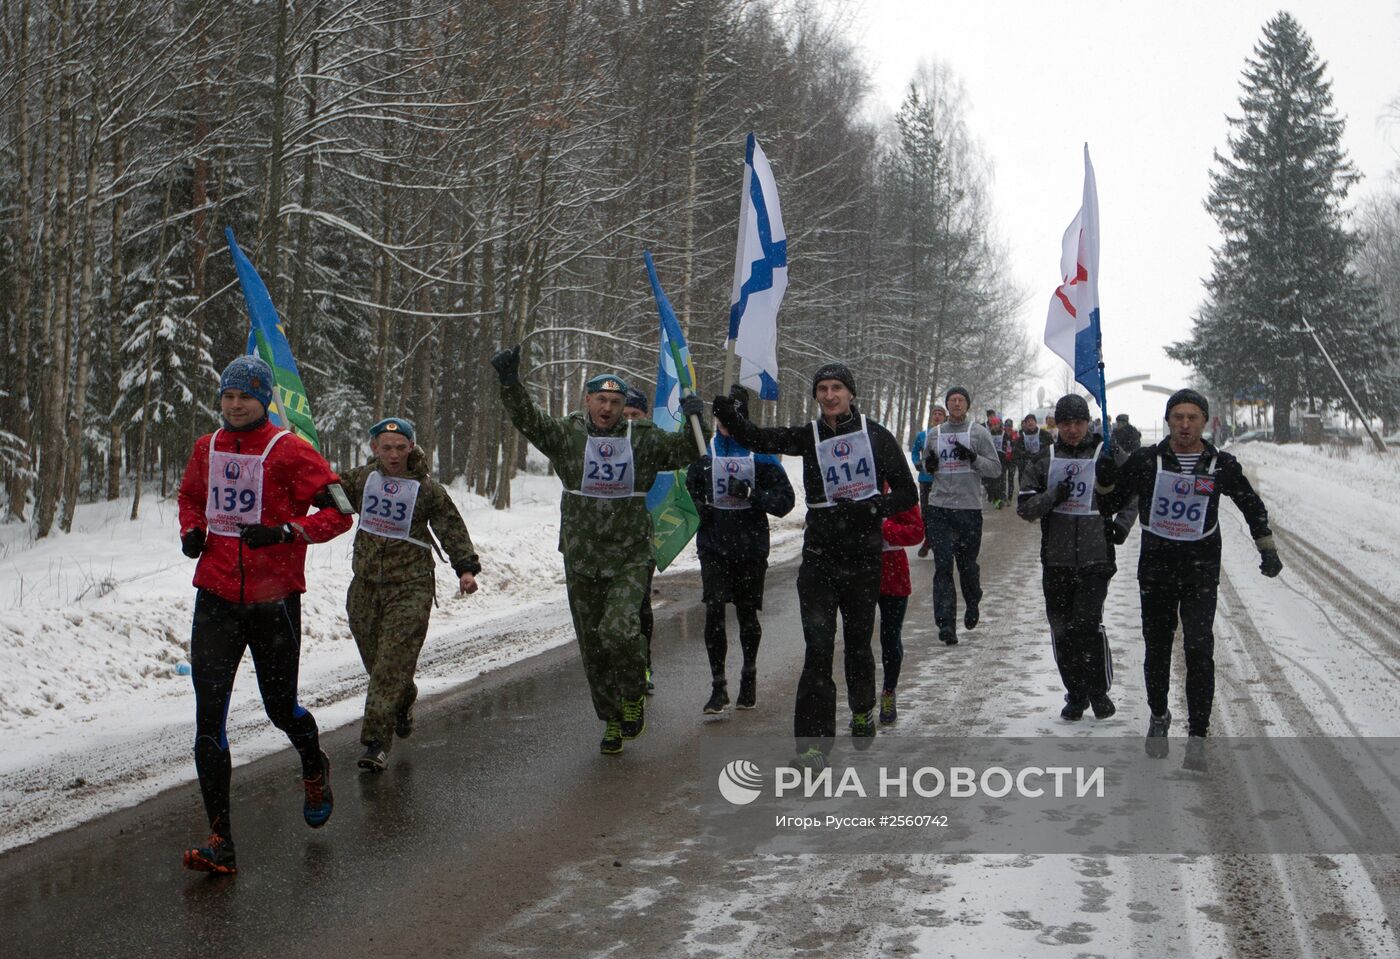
(251, 375)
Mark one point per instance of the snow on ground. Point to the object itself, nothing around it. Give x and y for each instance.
(94, 633)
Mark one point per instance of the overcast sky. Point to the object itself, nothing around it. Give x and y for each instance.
(1148, 86)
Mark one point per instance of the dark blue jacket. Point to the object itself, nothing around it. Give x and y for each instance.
(738, 533)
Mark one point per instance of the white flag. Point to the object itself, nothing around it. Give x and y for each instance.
(760, 276)
(1072, 324)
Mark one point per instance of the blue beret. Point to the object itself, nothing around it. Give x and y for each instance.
(392, 424)
(606, 382)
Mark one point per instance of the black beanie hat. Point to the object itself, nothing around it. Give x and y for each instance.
(958, 389)
(1071, 406)
(740, 396)
(1187, 396)
(834, 371)
(636, 400)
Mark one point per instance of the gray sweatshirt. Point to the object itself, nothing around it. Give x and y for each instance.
(963, 490)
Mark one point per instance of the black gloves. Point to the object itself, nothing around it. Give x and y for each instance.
(1269, 563)
(507, 364)
(930, 462)
(1115, 534)
(692, 405)
(726, 411)
(192, 543)
(1062, 490)
(1106, 471)
(963, 453)
(256, 537)
(741, 489)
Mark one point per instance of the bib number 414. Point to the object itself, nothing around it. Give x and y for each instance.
(862, 468)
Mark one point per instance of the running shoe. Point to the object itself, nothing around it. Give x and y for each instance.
(1073, 709)
(403, 722)
(651, 686)
(375, 759)
(319, 802)
(971, 616)
(634, 717)
(813, 759)
(612, 739)
(1195, 760)
(1103, 706)
(1157, 744)
(216, 856)
(949, 635)
(748, 690)
(719, 698)
(888, 713)
(863, 729)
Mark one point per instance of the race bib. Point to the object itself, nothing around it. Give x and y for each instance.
(847, 465)
(725, 470)
(235, 488)
(607, 467)
(947, 447)
(1180, 502)
(386, 508)
(1032, 442)
(1080, 474)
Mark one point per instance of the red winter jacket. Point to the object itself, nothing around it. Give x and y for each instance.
(902, 529)
(293, 473)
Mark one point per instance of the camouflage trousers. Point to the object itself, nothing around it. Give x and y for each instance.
(389, 622)
(607, 621)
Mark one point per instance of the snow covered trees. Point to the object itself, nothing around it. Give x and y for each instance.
(1286, 259)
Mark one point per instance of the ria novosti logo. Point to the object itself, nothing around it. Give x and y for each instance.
(740, 782)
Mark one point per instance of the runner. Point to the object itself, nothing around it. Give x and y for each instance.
(636, 408)
(1126, 436)
(995, 483)
(1028, 443)
(846, 458)
(606, 463)
(925, 478)
(402, 509)
(735, 492)
(1008, 461)
(1077, 556)
(961, 458)
(901, 530)
(1178, 484)
(244, 500)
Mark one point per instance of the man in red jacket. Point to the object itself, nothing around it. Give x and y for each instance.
(244, 501)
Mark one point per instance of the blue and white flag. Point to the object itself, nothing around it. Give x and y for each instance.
(1072, 326)
(760, 276)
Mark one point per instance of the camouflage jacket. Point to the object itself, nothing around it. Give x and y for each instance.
(599, 536)
(384, 560)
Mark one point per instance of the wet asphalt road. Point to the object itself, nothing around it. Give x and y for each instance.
(501, 782)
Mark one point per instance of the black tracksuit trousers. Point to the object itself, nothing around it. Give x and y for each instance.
(1192, 602)
(827, 585)
(1074, 599)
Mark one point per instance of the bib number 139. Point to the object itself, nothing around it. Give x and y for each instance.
(229, 499)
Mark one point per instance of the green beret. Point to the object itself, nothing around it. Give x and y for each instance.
(606, 382)
(392, 424)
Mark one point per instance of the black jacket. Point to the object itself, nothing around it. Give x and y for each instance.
(846, 527)
(738, 534)
(1197, 561)
(1066, 539)
(1127, 438)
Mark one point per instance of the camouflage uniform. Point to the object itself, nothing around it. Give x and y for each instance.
(606, 542)
(391, 596)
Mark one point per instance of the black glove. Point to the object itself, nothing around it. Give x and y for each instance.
(741, 489)
(192, 543)
(1106, 471)
(256, 537)
(1115, 534)
(1269, 563)
(726, 411)
(1062, 490)
(930, 463)
(693, 405)
(507, 364)
(963, 453)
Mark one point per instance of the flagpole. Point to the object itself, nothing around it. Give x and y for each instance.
(729, 358)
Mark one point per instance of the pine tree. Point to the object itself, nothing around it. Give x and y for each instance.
(1285, 260)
